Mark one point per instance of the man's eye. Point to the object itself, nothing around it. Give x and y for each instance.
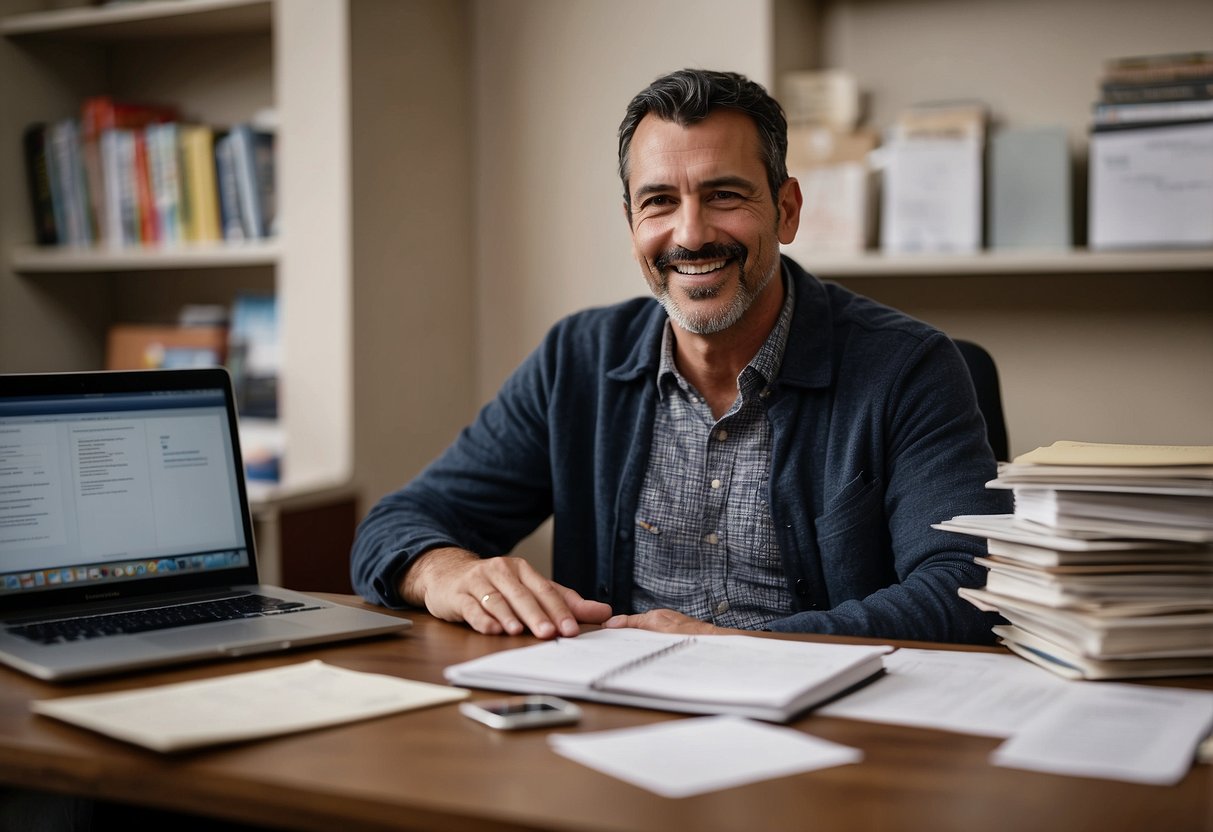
(659, 201)
(725, 195)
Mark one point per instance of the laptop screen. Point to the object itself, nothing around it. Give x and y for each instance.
(128, 485)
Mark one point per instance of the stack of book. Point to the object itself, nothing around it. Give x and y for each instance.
(126, 174)
(1152, 152)
(1105, 569)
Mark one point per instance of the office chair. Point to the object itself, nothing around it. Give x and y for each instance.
(989, 395)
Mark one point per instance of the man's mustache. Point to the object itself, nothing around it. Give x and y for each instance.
(712, 251)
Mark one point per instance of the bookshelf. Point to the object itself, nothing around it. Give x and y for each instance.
(140, 52)
(341, 78)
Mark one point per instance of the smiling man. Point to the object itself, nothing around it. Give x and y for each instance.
(753, 450)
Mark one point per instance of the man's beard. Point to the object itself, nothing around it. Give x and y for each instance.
(722, 319)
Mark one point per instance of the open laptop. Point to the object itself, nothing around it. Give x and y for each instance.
(125, 535)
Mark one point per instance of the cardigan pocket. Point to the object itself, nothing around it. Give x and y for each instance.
(852, 539)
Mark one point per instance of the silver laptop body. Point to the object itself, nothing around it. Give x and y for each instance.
(122, 493)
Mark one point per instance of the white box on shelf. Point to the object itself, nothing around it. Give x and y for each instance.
(932, 195)
(1152, 186)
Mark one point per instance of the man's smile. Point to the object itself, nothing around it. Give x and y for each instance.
(699, 268)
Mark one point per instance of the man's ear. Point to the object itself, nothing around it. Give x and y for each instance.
(789, 202)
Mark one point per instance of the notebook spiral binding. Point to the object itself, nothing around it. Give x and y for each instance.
(600, 682)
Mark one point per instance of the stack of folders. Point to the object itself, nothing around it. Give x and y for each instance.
(1105, 570)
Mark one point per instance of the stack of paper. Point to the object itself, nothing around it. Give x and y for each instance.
(1105, 570)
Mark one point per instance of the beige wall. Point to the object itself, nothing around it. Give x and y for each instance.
(413, 241)
(552, 79)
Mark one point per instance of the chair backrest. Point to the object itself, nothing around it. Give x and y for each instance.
(989, 394)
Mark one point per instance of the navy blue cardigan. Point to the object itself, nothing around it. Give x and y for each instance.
(876, 435)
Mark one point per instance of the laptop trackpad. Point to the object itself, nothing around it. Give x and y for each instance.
(231, 636)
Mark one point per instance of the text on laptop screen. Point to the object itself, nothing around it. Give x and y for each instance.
(116, 487)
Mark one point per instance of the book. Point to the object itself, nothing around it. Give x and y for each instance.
(68, 186)
(46, 228)
(99, 113)
(1072, 665)
(201, 191)
(1153, 515)
(149, 222)
(1152, 112)
(230, 220)
(165, 179)
(761, 678)
(252, 155)
(1166, 67)
(1174, 90)
(1129, 631)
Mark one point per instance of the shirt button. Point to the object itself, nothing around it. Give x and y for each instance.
(716, 483)
(722, 607)
(722, 435)
(802, 588)
(712, 538)
(766, 392)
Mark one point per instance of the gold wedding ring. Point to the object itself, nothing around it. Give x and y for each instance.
(484, 599)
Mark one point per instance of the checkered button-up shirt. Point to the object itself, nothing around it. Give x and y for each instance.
(705, 542)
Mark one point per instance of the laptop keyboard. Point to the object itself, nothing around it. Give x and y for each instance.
(158, 618)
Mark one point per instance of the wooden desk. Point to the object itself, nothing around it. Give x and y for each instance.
(436, 770)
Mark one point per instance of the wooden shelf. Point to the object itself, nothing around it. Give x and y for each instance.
(35, 259)
(1078, 261)
(156, 19)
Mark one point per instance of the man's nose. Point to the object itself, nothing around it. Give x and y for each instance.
(692, 228)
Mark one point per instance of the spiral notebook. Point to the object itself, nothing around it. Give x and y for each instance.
(763, 678)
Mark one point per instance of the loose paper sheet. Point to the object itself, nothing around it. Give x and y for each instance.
(1116, 731)
(245, 706)
(974, 693)
(691, 756)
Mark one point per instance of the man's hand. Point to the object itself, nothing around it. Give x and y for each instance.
(666, 621)
(497, 595)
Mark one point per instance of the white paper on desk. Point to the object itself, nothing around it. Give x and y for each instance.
(691, 756)
(243, 706)
(1138, 733)
(988, 694)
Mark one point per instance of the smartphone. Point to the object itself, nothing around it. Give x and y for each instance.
(516, 712)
